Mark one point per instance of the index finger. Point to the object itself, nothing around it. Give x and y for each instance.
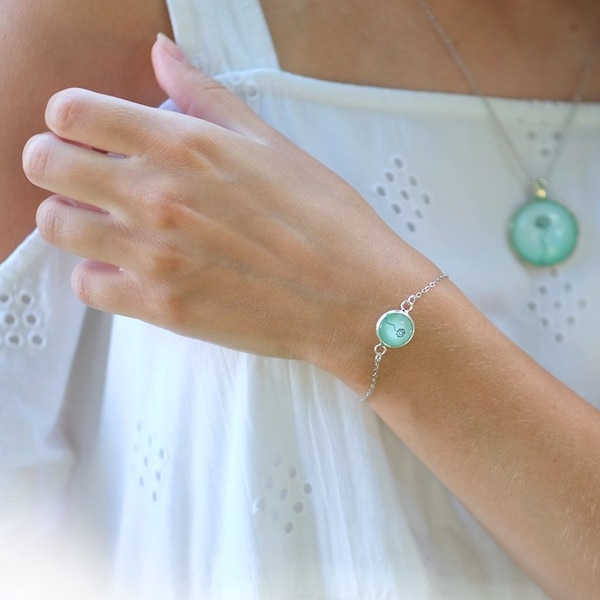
(104, 122)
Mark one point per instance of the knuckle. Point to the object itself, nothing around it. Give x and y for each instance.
(170, 295)
(202, 146)
(50, 223)
(65, 111)
(207, 84)
(171, 308)
(163, 206)
(163, 261)
(162, 213)
(37, 158)
(81, 283)
(192, 141)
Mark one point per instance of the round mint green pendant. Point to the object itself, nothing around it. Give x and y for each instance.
(395, 328)
(543, 232)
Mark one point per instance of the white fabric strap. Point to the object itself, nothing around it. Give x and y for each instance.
(229, 35)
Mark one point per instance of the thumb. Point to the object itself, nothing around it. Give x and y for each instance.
(199, 95)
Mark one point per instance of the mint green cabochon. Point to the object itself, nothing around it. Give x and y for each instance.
(395, 328)
(543, 232)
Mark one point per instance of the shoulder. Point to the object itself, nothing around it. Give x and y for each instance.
(103, 45)
(98, 42)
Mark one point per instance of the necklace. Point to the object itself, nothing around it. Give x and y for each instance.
(541, 232)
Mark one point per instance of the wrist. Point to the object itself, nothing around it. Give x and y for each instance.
(395, 329)
(383, 322)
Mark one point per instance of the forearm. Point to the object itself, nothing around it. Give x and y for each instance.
(518, 448)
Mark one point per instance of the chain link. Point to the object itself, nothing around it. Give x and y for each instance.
(380, 349)
(407, 305)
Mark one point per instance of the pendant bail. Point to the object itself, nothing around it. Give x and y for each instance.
(541, 188)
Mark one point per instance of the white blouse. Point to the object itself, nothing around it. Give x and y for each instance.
(174, 469)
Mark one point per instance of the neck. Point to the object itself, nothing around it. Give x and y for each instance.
(534, 43)
(515, 48)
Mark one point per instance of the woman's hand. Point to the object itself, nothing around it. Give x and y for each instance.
(210, 223)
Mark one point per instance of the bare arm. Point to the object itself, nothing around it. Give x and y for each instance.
(519, 449)
(99, 44)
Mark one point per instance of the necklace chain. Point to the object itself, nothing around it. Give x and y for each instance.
(576, 99)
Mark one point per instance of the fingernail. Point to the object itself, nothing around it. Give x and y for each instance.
(171, 48)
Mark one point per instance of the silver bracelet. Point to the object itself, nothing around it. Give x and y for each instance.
(395, 328)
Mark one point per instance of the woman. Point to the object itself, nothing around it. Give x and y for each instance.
(213, 471)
